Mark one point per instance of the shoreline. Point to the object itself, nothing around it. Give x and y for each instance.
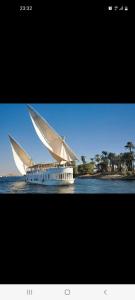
(107, 177)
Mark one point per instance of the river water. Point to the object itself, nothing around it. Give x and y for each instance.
(81, 186)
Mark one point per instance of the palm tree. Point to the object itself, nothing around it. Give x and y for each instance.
(98, 160)
(105, 153)
(130, 146)
(130, 156)
(112, 158)
(105, 160)
(92, 159)
(83, 159)
(120, 161)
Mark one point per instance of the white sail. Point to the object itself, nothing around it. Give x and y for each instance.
(21, 158)
(56, 145)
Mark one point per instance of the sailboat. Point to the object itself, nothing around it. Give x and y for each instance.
(59, 172)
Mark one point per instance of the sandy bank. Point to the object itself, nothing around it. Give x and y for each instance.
(109, 176)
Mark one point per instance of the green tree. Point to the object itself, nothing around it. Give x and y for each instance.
(130, 156)
(130, 146)
(84, 169)
(112, 158)
(98, 160)
(75, 169)
(103, 166)
(92, 159)
(81, 169)
(104, 153)
(119, 162)
(104, 161)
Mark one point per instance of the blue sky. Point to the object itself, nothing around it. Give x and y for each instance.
(89, 129)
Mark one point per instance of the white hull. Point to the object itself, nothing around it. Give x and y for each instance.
(51, 176)
(53, 182)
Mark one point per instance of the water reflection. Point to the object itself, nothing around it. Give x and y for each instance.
(23, 187)
(17, 187)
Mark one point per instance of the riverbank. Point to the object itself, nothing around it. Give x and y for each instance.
(108, 176)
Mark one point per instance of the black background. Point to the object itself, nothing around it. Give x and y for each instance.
(68, 53)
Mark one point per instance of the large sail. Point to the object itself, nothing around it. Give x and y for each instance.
(21, 158)
(56, 145)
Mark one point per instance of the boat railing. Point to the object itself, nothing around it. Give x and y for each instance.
(40, 167)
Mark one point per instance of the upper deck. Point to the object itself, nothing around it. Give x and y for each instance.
(43, 166)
